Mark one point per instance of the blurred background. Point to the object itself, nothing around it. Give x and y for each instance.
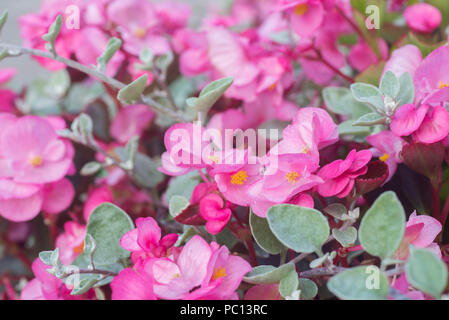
(26, 67)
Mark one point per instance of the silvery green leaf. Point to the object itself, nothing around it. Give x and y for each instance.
(112, 47)
(389, 85)
(407, 89)
(340, 100)
(337, 210)
(46, 256)
(368, 93)
(58, 84)
(91, 168)
(370, 119)
(131, 148)
(133, 91)
(426, 272)
(182, 185)
(263, 235)
(298, 228)
(3, 19)
(288, 284)
(346, 128)
(80, 95)
(268, 274)
(164, 61)
(85, 282)
(177, 205)
(383, 225)
(347, 237)
(319, 261)
(308, 288)
(52, 34)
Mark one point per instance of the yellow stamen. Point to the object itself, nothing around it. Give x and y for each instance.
(214, 159)
(219, 273)
(443, 85)
(79, 249)
(36, 161)
(140, 33)
(239, 177)
(305, 149)
(177, 275)
(384, 157)
(272, 87)
(292, 176)
(300, 9)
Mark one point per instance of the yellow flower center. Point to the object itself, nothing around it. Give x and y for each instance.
(239, 177)
(140, 33)
(384, 157)
(176, 275)
(292, 176)
(305, 149)
(272, 87)
(300, 9)
(79, 249)
(443, 85)
(219, 272)
(214, 159)
(36, 161)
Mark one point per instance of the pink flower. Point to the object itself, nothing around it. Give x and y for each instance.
(404, 59)
(217, 215)
(47, 287)
(422, 17)
(387, 147)
(133, 284)
(71, 242)
(339, 175)
(193, 50)
(145, 240)
(420, 231)
(362, 56)
(401, 284)
(407, 119)
(434, 127)
(7, 74)
(305, 16)
(131, 121)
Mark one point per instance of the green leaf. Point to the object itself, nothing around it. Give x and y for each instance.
(52, 34)
(112, 47)
(288, 284)
(182, 185)
(370, 119)
(347, 237)
(107, 224)
(308, 288)
(340, 100)
(80, 95)
(58, 84)
(298, 228)
(389, 85)
(426, 272)
(359, 283)
(91, 168)
(3, 19)
(368, 93)
(407, 89)
(162, 62)
(85, 283)
(132, 92)
(268, 274)
(346, 128)
(208, 96)
(177, 205)
(383, 225)
(263, 235)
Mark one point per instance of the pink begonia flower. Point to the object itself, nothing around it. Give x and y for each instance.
(71, 242)
(96, 197)
(138, 22)
(387, 146)
(263, 292)
(305, 16)
(33, 163)
(145, 240)
(7, 100)
(420, 231)
(401, 284)
(131, 121)
(193, 50)
(404, 59)
(362, 55)
(434, 127)
(339, 175)
(172, 15)
(201, 271)
(407, 119)
(260, 204)
(47, 287)
(92, 44)
(133, 284)
(431, 78)
(422, 17)
(213, 211)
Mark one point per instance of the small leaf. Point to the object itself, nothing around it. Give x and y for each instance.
(339, 100)
(91, 168)
(407, 89)
(360, 283)
(45, 256)
(368, 93)
(107, 224)
(383, 225)
(347, 237)
(298, 228)
(84, 284)
(370, 119)
(177, 205)
(426, 272)
(3, 19)
(389, 85)
(162, 62)
(112, 47)
(132, 92)
(308, 288)
(288, 284)
(263, 235)
(268, 274)
(53, 33)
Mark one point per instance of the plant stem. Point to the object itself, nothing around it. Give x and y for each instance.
(90, 271)
(436, 202)
(18, 51)
(15, 250)
(330, 66)
(445, 211)
(252, 252)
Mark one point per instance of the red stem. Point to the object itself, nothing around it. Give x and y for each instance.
(9, 290)
(330, 66)
(15, 250)
(436, 203)
(252, 252)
